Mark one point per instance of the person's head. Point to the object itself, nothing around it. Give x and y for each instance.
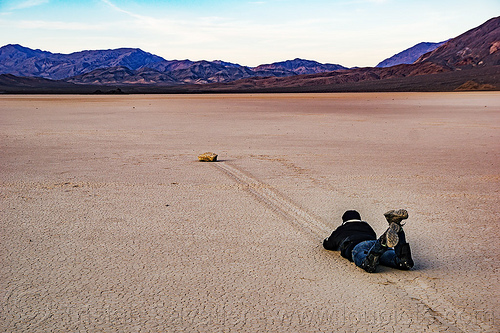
(351, 215)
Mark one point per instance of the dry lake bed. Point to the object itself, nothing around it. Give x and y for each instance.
(108, 222)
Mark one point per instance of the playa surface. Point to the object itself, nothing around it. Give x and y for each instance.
(109, 222)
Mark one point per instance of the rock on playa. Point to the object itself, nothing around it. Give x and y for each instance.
(208, 157)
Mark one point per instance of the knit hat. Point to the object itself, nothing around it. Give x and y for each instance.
(351, 215)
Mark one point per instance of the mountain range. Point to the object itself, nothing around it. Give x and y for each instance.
(470, 61)
(472, 56)
(134, 66)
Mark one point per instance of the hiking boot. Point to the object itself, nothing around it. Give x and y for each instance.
(405, 260)
(396, 216)
(390, 237)
(370, 263)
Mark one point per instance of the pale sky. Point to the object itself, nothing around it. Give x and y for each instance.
(249, 32)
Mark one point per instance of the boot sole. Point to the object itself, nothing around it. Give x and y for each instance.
(391, 235)
(396, 216)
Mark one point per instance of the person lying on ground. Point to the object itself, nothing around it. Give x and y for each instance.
(357, 241)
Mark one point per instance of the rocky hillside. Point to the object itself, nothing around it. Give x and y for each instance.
(477, 47)
(409, 56)
(122, 75)
(300, 66)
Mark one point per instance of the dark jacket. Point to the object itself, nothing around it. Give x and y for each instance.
(347, 236)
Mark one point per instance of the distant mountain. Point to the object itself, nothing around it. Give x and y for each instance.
(22, 61)
(28, 82)
(134, 66)
(34, 85)
(338, 77)
(202, 72)
(178, 73)
(477, 47)
(122, 75)
(300, 66)
(170, 65)
(225, 63)
(409, 56)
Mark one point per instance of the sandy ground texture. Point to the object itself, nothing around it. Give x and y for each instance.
(110, 224)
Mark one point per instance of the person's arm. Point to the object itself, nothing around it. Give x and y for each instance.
(331, 243)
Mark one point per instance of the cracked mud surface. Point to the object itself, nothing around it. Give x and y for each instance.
(109, 223)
